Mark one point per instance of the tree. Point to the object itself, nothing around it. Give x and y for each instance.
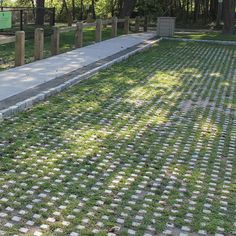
(40, 4)
(126, 7)
(228, 16)
(93, 9)
(219, 13)
(81, 9)
(73, 9)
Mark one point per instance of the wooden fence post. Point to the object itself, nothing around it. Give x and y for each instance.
(38, 43)
(55, 41)
(79, 35)
(137, 24)
(114, 26)
(126, 25)
(98, 30)
(20, 48)
(145, 24)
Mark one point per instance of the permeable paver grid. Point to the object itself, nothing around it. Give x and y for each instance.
(146, 147)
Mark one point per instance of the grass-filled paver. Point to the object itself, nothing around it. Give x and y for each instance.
(146, 147)
(218, 36)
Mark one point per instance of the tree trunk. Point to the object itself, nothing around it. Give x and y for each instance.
(73, 9)
(33, 6)
(214, 9)
(82, 9)
(228, 16)
(120, 5)
(187, 9)
(65, 5)
(196, 10)
(113, 5)
(93, 9)
(219, 14)
(127, 8)
(40, 12)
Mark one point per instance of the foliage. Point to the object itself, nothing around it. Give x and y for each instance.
(193, 8)
(189, 12)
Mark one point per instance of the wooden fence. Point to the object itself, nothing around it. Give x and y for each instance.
(19, 38)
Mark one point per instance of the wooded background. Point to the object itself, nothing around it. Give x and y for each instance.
(189, 13)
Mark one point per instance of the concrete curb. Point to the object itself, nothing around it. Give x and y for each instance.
(26, 104)
(202, 41)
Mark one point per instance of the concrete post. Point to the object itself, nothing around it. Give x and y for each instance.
(20, 48)
(38, 43)
(98, 30)
(79, 35)
(126, 25)
(55, 41)
(114, 26)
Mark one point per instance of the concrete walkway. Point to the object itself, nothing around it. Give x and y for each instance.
(20, 79)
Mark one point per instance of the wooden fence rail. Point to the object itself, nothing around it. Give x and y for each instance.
(11, 39)
(19, 38)
(67, 29)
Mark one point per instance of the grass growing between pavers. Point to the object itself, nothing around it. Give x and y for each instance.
(206, 36)
(67, 43)
(143, 148)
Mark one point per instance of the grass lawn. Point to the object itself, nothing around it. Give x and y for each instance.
(145, 147)
(67, 41)
(207, 35)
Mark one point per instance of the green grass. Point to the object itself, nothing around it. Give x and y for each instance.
(206, 36)
(67, 41)
(149, 142)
